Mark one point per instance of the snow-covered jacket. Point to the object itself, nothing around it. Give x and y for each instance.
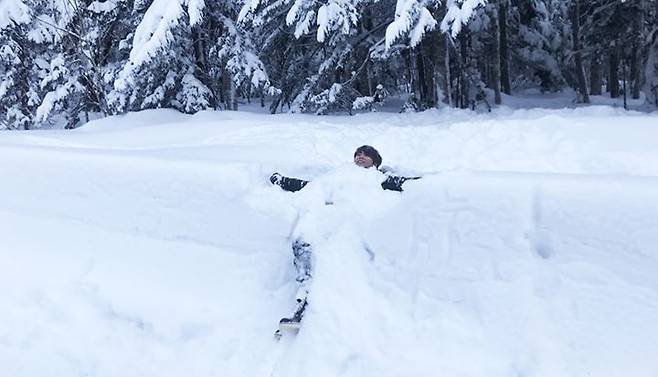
(392, 182)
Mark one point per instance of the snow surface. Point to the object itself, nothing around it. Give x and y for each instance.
(152, 244)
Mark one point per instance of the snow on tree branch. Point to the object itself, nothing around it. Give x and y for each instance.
(248, 8)
(154, 33)
(102, 6)
(413, 19)
(458, 15)
(13, 11)
(244, 64)
(337, 15)
(195, 10)
(332, 16)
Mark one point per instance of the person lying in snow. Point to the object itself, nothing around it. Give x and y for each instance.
(366, 157)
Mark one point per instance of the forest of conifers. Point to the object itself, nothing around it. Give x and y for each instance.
(62, 60)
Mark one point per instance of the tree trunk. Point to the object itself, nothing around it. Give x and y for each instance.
(578, 54)
(369, 79)
(613, 74)
(275, 104)
(623, 76)
(229, 91)
(433, 68)
(406, 55)
(495, 56)
(651, 70)
(638, 52)
(199, 48)
(233, 95)
(411, 75)
(636, 77)
(446, 61)
(422, 89)
(430, 85)
(505, 84)
(426, 55)
(464, 91)
(595, 77)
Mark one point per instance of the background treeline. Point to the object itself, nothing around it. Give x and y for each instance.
(61, 60)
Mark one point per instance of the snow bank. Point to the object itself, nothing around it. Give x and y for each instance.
(152, 244)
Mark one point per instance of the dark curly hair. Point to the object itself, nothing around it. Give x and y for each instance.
(370, 152)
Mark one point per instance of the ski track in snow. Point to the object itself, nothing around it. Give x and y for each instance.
(152, 244)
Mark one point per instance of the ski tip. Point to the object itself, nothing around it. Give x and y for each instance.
(289, 327)
(285, 332)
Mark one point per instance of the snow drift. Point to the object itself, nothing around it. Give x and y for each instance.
(152, 244)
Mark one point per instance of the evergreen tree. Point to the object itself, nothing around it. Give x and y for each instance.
(155, 72)
(63, 59)
(14, 65)
(321, 52)
(619, 31)
(234, 57)
(189, 55)
(541, 29)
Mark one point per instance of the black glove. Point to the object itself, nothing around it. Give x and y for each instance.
(275, 178)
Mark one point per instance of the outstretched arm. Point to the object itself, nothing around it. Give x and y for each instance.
(394, 183)
(286, 183)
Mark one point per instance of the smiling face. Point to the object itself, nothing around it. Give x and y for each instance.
(366, 156)
(360, 159)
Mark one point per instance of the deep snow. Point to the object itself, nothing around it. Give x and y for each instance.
(152, 244)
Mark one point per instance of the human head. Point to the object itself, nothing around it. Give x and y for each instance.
(367, 156)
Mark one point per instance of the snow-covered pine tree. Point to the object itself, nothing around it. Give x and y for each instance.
(289, 58)
(320, 52)
(14, 65)
(353, 41)
(50, 58)
(160, 57)
(189, 55)
(107, 33)
(540, 30)
(232, 57)
(407, 38)
(619, 31)
(413, 29)
(472, 29)
(61, 59)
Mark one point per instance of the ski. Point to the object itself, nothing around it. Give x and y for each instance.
(291, 326)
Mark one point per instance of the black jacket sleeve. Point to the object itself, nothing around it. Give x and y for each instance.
(394, 183)
(286, 183)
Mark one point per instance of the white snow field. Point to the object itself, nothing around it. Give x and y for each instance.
(153, 244)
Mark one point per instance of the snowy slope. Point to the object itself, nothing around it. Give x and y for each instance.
(152, 244)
